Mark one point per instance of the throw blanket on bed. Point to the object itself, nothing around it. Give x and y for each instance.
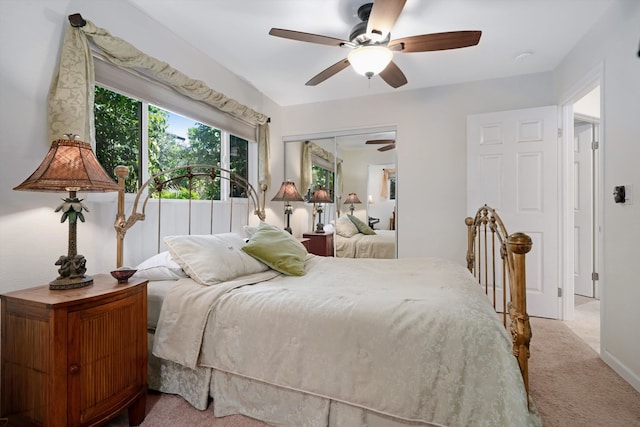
(412, 338)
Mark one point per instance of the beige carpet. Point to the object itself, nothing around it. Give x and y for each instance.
(570, 386)
(586, 321)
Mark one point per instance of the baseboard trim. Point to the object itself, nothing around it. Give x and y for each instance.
(626, 374)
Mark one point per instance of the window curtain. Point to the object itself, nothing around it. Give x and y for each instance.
(71, 97)
(339, 187)
(305, 167)
(387, 173)
(323, 157)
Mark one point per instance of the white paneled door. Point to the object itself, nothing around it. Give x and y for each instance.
(512, 165)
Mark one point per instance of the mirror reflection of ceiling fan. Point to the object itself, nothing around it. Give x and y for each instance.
(372, 47)
(390, 144)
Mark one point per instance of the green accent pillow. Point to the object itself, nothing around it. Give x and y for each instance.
(360, 225)
(277, 249)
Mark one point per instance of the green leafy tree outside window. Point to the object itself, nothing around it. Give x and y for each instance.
(322, 178)
(118, 132)
(118, 123)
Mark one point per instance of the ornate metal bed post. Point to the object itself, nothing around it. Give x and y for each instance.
(121, 172)
(518, 245)
(260, 212)
(513, 250)
(471, 235)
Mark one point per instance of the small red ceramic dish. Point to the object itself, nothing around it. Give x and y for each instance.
(123, 274)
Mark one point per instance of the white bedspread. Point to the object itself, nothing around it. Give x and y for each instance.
(379, 245)
(184, 314)
(412, 338)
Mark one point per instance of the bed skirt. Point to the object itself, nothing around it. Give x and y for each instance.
(273, 405)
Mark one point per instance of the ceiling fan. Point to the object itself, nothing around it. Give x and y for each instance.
(390, 144)
(372, 47)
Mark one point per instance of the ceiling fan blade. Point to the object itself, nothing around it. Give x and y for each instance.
(307, 37)
(387, 147)
(380, 141)
(393, 75)
(384, 14)
(437, 41)
(328, 72)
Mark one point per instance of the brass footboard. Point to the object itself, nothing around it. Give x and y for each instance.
(486, 235)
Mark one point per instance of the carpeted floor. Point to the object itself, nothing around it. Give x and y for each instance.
(570, 385)
(586, 321)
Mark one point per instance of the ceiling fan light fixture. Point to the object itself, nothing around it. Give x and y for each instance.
(370, 60)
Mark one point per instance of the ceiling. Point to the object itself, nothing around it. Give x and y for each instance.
(518, 37)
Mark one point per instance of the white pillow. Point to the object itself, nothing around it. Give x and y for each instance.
(159, 267)
(213, 259)
(250, 229)
(345, 227)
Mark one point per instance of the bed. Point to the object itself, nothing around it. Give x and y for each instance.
(381, 245)
(355, 239)
(350, 342)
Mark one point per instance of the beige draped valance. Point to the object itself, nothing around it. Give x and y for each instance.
(71, 97)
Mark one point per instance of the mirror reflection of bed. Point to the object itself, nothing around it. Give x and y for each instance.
(360, 164)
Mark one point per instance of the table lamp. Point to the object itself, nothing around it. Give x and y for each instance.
(287, 193)
(320, 196)
(70, 165)
(351, 199)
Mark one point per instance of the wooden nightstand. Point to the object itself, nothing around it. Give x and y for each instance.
(74, 357)
(305, 242)
(320, 243)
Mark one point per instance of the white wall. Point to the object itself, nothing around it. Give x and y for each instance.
(31, 32)
(614, 43)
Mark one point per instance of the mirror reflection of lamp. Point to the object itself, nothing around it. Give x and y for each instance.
(351, 199)
(287, 193)
(320, 196)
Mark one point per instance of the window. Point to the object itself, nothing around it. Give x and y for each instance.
(392, 188)
(135, 133)
(238, 162)
(322, 178)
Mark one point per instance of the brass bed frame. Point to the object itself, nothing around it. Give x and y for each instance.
(159, 181)
(486, 235)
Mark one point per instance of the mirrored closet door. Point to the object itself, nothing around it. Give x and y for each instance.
(358, 170)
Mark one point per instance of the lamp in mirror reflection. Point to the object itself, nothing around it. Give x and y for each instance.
(287, 193)
(320, 196)
(351, 199)
(70, 165)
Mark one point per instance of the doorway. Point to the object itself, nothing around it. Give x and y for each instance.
(586, 290)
